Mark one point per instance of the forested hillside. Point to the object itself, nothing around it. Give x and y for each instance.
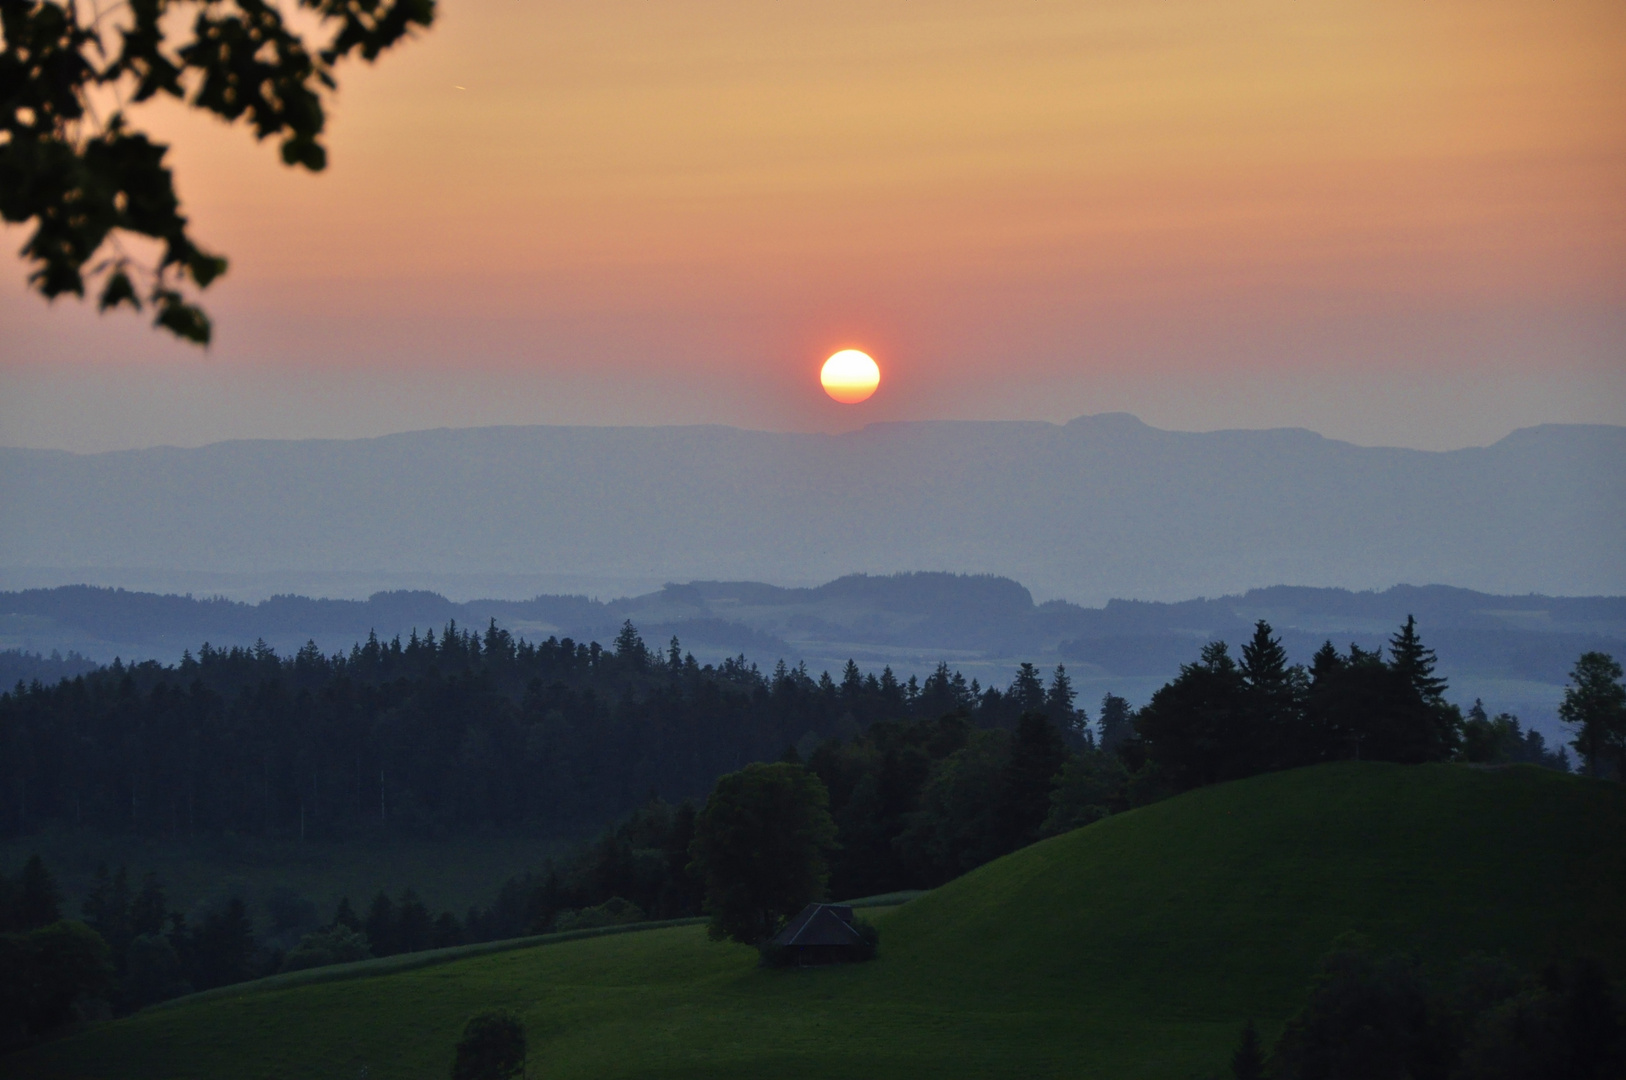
(439, 734)
(468, 735)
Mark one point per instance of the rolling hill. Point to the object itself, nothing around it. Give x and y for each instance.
(1132, 948)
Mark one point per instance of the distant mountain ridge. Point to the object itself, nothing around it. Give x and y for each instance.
(1102, 506)
(933, 614)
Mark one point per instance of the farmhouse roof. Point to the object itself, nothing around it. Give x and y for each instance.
(820, 924)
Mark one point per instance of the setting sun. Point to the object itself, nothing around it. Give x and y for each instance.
(850, 376)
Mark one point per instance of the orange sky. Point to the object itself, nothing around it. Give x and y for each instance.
(1392, 222)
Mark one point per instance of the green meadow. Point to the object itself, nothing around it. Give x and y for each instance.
(1135, 947)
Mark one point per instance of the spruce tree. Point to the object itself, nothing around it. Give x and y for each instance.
(414, 928)
(629, 647)
(1037, 755)
(1058, 705)
(1248, 1062)
(1412, 661)
(1117, 722)
(1273, 707)
(149, 911)
(380, 926)
(1027, 690)
(346, 916)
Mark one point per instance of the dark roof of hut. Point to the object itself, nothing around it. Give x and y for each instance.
(820, 924)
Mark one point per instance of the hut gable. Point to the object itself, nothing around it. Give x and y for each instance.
(822, 934)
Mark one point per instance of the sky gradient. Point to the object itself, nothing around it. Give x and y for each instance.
(1389, 222)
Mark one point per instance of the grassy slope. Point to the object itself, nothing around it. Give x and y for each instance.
(1132, 948)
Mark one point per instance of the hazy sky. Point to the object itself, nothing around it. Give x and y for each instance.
(1391, 222)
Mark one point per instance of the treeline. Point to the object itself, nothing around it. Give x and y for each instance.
(919, 802)
(126, 947)
(438, 735)
(1370, 1014)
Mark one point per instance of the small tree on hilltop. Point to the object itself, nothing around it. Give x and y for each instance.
(761, 846)
(1595, 705)
(492, 1048)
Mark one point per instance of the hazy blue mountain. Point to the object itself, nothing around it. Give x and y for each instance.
(1100, 507)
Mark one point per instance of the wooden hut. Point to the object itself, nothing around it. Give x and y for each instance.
(822, 934)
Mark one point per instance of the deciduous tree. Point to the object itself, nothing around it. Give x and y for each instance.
(1595, 706)
(761, 846)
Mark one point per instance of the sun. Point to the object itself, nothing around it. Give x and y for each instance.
(850, 376)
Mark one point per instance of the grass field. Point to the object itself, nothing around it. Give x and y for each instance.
(1132, 948)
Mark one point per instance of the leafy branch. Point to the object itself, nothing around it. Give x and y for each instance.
(83, 180)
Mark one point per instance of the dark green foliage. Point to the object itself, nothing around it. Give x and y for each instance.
(613, 912)
(223, 946)
(1037, 754)
(1361, 707)
(345, 915)
(492, 1048)
(1595, 706)
(414, 926)
(957, 826)
(1219, 720)
(446, 932)
(1273, 702)
(1369, 1018)
(149, 911)
(38, 900)
(1248, 1062)
(1500, 740)
(152, 972)
(154, 957)
(334, 945)
(1568, 1025)
(761, 846)
(875, 782)
(1198, 728)
(82, 180)
(1059, 710)
(1093, 784)
(440, 735)
(46, 975)
(1117, 723)
(381, 926)
(1382, 1016)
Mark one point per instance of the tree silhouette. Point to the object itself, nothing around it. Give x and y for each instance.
(1595, 705)
(1248, 1063)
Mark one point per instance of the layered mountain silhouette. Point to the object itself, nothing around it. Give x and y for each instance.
(1104, 506)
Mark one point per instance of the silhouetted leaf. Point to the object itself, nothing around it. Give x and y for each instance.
(119, 290)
